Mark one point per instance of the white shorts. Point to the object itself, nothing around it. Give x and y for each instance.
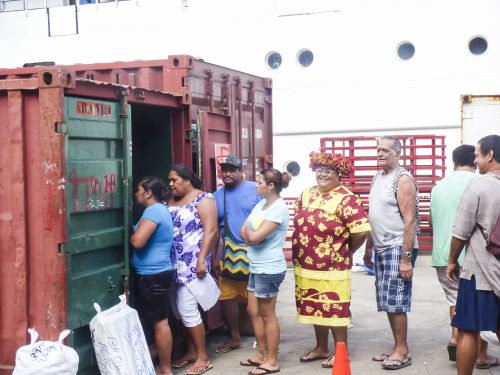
(188, 307)
(450, 290)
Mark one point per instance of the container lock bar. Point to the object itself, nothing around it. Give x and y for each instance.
(63, 248)
(61, 128)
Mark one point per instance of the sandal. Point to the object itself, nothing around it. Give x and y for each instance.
(201, 369)
(183, 362)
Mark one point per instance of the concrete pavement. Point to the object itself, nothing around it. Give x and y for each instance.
(428, 335)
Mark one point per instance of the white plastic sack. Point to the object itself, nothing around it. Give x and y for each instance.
(490, 337)
(46, 357)
(119, 343)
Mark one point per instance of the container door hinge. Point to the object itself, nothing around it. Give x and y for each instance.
(61, 128)
(63, 248)
(125, 272)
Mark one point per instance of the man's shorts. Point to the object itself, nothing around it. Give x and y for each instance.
(392, 291)
(450, 290)
(232, 289)
(152, 296)
(265, 285)
(476, 310)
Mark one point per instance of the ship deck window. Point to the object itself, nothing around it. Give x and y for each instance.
(274, 60)
(406, 50)
(478, 45)
(305, 57)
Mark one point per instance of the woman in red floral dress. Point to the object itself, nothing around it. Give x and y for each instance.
(330, 225)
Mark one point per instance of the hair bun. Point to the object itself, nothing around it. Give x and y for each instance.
(285, 179)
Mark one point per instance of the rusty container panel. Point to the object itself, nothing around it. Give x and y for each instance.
(32, 210)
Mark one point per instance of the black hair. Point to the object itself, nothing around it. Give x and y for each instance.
(186, 173)
(491, 143)
(464, 156)
(157, 186)
(279, 179)
(396, 143)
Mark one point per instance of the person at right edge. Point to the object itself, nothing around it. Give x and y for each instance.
(394, 219)
(478, 300)
(445, 198)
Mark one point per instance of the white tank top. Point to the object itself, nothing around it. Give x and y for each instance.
(384, 215)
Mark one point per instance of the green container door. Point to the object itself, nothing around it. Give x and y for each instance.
(98, 157)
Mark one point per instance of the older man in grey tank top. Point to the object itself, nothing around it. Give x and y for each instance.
(394, 219)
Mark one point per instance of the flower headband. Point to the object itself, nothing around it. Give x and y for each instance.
(335, 161)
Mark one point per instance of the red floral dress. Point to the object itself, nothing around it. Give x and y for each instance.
(321, 257)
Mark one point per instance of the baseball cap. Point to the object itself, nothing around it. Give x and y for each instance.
(231, 160)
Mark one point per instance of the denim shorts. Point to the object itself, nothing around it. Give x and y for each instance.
(265, 285)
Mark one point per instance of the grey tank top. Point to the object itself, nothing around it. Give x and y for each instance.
(384, 215)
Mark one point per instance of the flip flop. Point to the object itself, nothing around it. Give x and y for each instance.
(398, 364)
(183, 362)
(197, 370)
(249, 362)
(380, 357)
(226, 348)
(452, 352)
(266, 371)
(328, 365)
(485, 366)
(307, 358)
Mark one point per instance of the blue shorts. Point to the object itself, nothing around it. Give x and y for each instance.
(265, 285)
(476, 310)
(392, 291)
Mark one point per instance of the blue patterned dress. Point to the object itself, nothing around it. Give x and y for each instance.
(188, 232)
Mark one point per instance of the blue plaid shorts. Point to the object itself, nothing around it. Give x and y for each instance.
(393, 292)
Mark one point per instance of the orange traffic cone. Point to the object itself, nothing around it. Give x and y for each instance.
(341, 364)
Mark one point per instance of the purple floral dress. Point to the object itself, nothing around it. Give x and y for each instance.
(188, 233)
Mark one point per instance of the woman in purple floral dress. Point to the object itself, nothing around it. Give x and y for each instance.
(194, 216)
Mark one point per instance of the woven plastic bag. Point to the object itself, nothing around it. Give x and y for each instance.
(46, 357)
(119, 343)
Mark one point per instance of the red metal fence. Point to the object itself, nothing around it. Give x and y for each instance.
(422, 155)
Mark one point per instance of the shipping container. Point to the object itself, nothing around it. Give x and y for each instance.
(480, 117)
(73, 146)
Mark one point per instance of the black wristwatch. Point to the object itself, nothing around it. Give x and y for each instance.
(407, 254)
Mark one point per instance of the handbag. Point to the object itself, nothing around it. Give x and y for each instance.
(493, 243)
(235, 261)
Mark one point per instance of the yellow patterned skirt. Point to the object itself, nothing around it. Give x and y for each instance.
(323, 297)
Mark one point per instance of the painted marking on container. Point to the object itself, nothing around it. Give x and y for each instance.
(49, 166)
(258, 133)
(97, 194)
(244, 132)
(87, 108)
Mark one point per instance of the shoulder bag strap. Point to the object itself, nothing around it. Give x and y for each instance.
(227, 229)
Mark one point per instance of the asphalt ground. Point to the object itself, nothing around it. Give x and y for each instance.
(428, 333)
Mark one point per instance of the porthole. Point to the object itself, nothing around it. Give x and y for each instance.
(406, 50)
(478, 45)
(292, 167)
(273, 60)
(305, 57)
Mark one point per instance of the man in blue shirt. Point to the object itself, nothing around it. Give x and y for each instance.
(239, 198)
